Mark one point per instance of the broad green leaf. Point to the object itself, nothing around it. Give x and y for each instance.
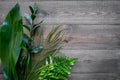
(10, 39)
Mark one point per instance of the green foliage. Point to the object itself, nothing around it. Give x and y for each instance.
(51, 44)
(36, 72)
(53, 41)
(25, 65)
(10, 39)
(35, 27)
(30, 18)
(23, 55)
(33, 10)
(60, 69)
(36, 49)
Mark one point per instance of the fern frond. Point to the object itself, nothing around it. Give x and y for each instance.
(60, 70)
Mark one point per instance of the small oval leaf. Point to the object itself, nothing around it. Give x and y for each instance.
(28, 18)
(36, 49)
(27, 27)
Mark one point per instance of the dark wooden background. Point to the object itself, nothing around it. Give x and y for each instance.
(93, 33)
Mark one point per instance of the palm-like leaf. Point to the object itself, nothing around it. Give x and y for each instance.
(60, 70)
(52, 43)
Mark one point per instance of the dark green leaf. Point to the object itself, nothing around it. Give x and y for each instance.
(33, 31)
(33, 16)
(27, 40)
(35, 27)
(35, 8)
(31, 9)
(38, 23)
(36, 49)
(10, 39)
(27, 27)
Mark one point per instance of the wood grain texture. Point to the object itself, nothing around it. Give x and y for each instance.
(103, 66)
(92, 55)
(95, 61)
(72, 12)
(90, 37)
(95, 76)
(92, 33)
(53, 0)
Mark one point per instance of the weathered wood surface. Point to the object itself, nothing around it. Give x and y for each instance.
(72, 12)
(94, 76)
(53, 0)
(92, 33)
(90, 37)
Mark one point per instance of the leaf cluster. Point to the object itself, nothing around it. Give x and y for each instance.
(60, 69)
(24, 57)
(49, 46)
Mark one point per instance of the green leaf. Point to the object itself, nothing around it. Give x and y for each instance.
(33, 16)
(35, 8)
(28, 18)
(38, 23)
(10, 39)
(32, 33)
(27, 40)
(31, 9)
(52, 33)
(60, 69)
(23, 46)
(36, 49)
(35, 27)
(27, 27)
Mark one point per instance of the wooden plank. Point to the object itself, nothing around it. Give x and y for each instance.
(92, 46)
(94, 61)
(92, 55)
(95, 76)
(92, 37)
(53, 0)
(72, 12)
(89, 66)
